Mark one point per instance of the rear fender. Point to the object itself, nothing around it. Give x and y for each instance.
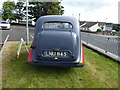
(30, 53)
(82, 54)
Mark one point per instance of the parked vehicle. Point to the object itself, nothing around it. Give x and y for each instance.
(57, 42)
(4, 25)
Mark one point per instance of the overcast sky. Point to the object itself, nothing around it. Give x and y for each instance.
(90, 10)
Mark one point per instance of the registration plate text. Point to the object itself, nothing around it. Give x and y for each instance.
(55, 53)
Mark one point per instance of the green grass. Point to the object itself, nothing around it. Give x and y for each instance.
(99, 72)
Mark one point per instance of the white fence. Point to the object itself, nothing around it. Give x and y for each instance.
(109, 44)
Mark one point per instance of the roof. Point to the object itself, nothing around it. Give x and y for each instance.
(89, 24)
(109, 25)
(101, 23)
(82, 22)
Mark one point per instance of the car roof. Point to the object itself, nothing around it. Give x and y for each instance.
(57, 18)
(60, 18)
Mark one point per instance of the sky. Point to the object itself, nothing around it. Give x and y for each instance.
(90, 10)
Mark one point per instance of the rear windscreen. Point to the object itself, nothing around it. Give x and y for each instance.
(57, 25)
(4, 22)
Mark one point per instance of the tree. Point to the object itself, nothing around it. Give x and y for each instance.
(8, 7)
(116, 27)
(19, 10)
(35, 9)
(45, 8)
(52, 8)
(99, 30)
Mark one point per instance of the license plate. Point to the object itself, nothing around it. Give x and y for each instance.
(55, 53)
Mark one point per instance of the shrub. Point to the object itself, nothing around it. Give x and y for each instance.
(99, 30)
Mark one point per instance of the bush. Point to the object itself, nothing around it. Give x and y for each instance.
(99, 30)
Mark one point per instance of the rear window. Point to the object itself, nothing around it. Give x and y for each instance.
(4, 22)
(57, 25)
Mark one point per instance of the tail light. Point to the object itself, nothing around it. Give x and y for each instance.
(30, 55)
(82, 54)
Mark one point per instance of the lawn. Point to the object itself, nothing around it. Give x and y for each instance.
(98, 72)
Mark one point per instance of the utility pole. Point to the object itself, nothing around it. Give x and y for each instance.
(73, 15)
(79, 16)
(27, 30)
(119, 12)
(104, 28)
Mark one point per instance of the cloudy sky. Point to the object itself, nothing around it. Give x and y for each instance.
(90, 10)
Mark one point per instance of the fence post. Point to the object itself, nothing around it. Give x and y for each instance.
(107, 45)
(87, 38)
(19, 49)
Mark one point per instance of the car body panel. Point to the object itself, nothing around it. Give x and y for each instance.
(56, 41)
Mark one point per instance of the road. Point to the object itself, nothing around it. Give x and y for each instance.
(15, 34)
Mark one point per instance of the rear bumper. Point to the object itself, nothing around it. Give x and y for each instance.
(5, 28)
(55, 64)
(32, 61)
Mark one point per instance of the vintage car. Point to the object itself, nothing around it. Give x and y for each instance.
(57, 42)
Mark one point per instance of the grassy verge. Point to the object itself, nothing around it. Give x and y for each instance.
(99, 72)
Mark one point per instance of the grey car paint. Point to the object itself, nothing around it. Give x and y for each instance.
(62, 39)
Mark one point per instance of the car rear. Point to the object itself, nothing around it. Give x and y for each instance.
(56, 45)
(4, 25)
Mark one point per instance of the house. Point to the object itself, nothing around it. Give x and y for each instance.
(94, 26)
(101, 24)
(82, 23)
(89, 26)
(108, 27)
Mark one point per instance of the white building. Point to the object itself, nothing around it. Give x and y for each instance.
(90, 26)
(94, 26)
(108, 27)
